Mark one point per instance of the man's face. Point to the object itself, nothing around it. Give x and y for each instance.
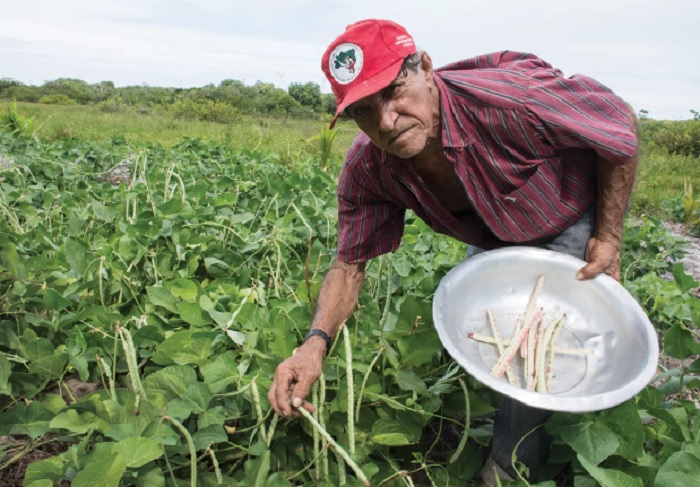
(405, 115)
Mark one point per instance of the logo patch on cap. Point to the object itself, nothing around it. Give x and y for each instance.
(345, 62)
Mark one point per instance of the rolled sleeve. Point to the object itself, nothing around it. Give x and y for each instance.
(579, 112)
(369, 222)
(368, 230)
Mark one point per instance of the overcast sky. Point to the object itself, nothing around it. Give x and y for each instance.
(645, 50)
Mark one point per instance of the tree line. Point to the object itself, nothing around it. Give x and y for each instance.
(218, 103)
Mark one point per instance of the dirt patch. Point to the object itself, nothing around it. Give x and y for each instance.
(20, 451)
(691, 261)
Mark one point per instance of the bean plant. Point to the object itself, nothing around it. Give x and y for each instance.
(148, 294)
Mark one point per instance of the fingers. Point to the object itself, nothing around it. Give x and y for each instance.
(299, 392)
(589, 271)
(602, 257)
(278, 395)
(291, 386)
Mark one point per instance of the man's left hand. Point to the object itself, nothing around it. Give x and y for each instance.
(602, 256)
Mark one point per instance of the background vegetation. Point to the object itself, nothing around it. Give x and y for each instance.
(156, 264)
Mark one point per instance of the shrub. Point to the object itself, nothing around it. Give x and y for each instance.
(675, 137)
(57, 99)
(16, 124)
(112, 105)
(204, 110)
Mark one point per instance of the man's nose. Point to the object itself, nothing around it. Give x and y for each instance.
(387, 116)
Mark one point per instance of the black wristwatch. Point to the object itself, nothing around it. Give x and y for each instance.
(315, 332)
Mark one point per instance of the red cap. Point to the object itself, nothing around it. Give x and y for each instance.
(364, 59)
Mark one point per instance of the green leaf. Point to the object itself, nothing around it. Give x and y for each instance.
(55, 301)
(50, 469)
(160, 296)
(240, 218)
(215, 416)
(391, 433)
(625, 422)
(682, 469)
(214, 433)
(277, 480)
(105, 473)
(10, 261)
(73, 422)
(39, 483)
(401, 264)
(283, 341)
(5, 372)
(408, 380)
(193, 314)
(121, 432)
(257, 470)
(185, 347)
(51, 365)
(419, 348)
(221, 372)
(32, 420)
(185, 289)
(152, 478)
(591, 440)
(76, 255)
(679, 342)
(36, 348)
(684, 281)
(195, 400)
(173, 380)
(138, 451)
(216, 267)
(609, 477)
(171, 207)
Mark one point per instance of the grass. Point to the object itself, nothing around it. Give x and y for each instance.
(660, 179)
(288, 137)
(660, 176)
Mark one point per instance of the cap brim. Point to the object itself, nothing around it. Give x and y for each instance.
(368, 87)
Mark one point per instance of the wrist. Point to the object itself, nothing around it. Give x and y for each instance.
(318, 339)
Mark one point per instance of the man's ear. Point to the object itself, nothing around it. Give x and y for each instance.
(426, 64)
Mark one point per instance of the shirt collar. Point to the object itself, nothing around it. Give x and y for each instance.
(454, 132)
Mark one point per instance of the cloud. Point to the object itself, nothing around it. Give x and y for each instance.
(640, 48)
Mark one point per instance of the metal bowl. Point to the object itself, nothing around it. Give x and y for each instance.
(600, 316)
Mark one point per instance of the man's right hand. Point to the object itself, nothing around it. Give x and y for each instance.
(294, 377)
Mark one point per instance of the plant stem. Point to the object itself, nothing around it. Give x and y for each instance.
(316, 435)
(339, 449)
(467, 421)
(351, 388)
(258, 408)
(342, 479)
(215, 463)
(271, 431)
(364, 383)
(190, 444)
(108, 373)
(132, 364)
(320, 407)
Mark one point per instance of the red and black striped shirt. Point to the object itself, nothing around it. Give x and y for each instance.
(524, 141)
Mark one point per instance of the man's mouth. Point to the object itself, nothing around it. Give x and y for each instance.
(397, 136)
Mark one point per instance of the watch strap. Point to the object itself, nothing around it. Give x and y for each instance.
(315, 332)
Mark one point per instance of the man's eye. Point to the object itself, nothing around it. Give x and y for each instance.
(360, 113)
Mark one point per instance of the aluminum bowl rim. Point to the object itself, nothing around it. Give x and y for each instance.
(551, 402)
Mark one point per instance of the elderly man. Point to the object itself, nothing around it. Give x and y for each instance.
(496, 150)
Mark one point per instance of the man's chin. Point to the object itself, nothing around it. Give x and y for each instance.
(406, 151)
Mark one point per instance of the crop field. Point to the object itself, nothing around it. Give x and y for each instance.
(148, 290)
